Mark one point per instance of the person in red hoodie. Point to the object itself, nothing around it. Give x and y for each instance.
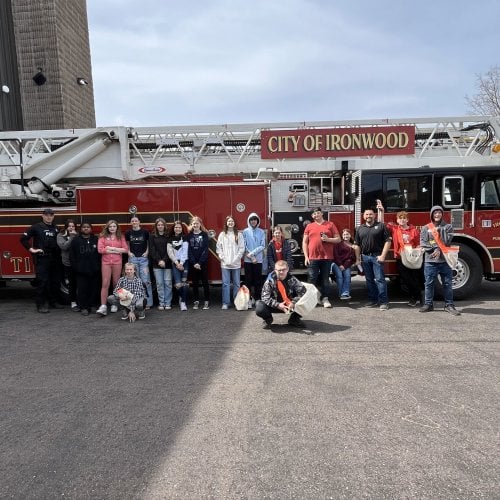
(404, 233)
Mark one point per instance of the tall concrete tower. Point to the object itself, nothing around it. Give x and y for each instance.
(45, 65)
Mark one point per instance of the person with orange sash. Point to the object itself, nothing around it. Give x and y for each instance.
(435, 238)
(280, 293)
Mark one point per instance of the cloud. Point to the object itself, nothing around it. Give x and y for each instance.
(234, 61)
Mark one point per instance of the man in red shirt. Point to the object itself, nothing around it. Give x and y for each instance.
(317, 245)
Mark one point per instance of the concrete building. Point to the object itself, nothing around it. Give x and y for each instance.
(45, 67)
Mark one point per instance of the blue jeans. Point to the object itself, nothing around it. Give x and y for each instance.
(318, 274)
(343, 278)
(180, 280)
(163, 279)
(375, 279)
(229, 275)
(142, 266)
(431, 272)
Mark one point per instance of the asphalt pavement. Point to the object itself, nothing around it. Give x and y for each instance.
(205, 404)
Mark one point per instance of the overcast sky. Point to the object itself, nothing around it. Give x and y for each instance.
(162, 62)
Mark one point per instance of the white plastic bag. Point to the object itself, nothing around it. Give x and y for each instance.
(242, 298)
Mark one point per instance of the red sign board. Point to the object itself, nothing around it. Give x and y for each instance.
(337, 142)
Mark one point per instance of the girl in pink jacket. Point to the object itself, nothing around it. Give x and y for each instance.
(111, 245)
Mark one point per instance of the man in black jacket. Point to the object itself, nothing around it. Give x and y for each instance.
(280, 293)
(41, 241)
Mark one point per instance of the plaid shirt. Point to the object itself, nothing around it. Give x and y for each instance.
(134, 286)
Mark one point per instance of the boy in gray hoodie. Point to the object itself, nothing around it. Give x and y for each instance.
(435, 264)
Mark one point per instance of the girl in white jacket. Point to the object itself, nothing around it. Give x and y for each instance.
(230, 249)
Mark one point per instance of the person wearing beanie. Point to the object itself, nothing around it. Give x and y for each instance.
(434, 262)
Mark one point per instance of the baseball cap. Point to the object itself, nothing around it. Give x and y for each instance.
(316, 209)
(48, 211)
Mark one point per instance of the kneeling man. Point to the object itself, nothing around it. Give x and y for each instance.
(280, 293)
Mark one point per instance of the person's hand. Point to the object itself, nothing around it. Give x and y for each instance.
(131, 316)
(36, 250)
(306, 261)
(197, 266)
(161, 263)
(436, 253)
(380, 258)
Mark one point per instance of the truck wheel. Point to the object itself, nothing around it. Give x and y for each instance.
(468, 275)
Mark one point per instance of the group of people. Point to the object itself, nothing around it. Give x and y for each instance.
(327, 252)
(93, 265)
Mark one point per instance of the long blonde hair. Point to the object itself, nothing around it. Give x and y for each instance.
(105, 230)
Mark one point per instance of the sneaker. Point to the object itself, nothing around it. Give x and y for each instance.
(161, 308)
(266, 324)
(102, 311)
(125, 315)
(142, 315)
(345, 297)
(371, 304)
(249, 304)
(296, 322)
(426, 308)
(183, 306)
(168, 307)
(450, 308)
(76, 309)
(85, 312)
(196, 304)
(43, 309)
(224, 307)
(413, 302)
(252, 301)
(114, 308)
(384, 307)
(206, 306)
(326, 303)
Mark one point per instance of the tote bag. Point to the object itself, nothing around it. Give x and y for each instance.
(412, 258)
(308, 301)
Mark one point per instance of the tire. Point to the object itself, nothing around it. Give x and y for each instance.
(468, 275)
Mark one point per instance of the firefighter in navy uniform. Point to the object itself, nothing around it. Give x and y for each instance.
(41, 241)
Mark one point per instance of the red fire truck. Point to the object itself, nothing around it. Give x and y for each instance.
(279, 170)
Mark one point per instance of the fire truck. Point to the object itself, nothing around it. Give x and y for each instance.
(279, 170)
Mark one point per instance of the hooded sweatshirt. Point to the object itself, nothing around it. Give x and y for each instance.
(255, 240)
(427, 241)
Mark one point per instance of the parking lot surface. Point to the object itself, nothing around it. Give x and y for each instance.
(206, 404)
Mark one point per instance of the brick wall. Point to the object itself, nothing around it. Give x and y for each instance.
(53, 35)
